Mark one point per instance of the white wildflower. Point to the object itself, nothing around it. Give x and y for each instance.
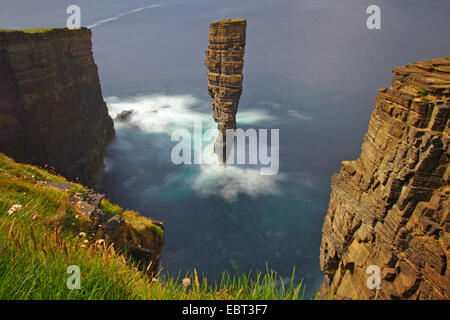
(186, 282)
(14, 209)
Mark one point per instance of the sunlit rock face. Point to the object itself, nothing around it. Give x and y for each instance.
(51, 105)
(225, 61)
(390, 207)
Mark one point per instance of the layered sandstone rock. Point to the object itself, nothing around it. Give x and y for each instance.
(225, 61)
(391, 206)
(51, 106)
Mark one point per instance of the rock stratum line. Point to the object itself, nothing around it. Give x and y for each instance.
(390, 207)
(225, 61)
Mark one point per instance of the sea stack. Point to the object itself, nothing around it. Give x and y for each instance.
(225, 61)
(388, 222)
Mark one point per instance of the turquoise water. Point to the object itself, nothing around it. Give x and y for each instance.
(312, 70)
(217, 218)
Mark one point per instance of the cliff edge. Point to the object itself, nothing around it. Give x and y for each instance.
(51, 106)
(51, 204)
(390, 207)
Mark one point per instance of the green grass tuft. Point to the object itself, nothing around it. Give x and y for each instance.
(422, 92)
(36, 30)
(157, 230)
(110, 208)
(78, 188)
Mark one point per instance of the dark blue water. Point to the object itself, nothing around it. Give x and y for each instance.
(312, 69)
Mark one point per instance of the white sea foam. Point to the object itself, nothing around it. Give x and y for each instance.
(160, 113)
(228, 182)
(163, 114)
(254, 117)
(298, 115)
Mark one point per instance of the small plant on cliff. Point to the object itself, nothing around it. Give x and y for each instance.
(110, 208)
(77, 188)
(422, 92)
(158, 231)
(141, 223)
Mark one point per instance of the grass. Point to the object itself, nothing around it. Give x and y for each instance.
(157, 230)
(37, 30)
(40, 241)
(138, 222)
(108, 207)
(229, 21)
(11, 169)
(78, 188)
(422, 92)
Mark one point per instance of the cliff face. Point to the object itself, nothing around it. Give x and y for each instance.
(51, 106)
(225, 61)
(391, 206)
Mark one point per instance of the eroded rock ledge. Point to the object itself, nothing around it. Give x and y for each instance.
(390, 207)
(51, 106)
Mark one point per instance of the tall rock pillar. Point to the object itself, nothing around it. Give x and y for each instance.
(225, 61)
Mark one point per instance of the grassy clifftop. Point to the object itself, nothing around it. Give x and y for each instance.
(43, 232)
(37, 30)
